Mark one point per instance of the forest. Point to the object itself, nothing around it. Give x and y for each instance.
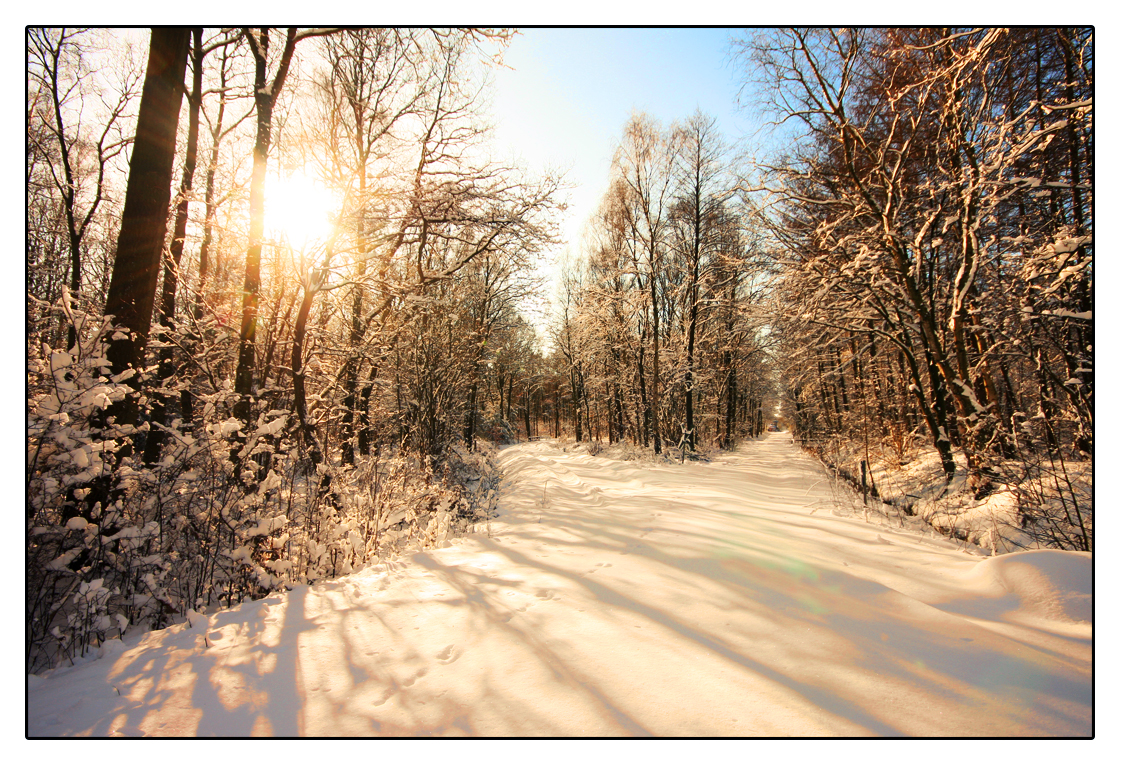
(223, 402)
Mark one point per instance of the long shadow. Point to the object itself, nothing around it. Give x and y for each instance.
(866, 591)
(286, 688)
(212, 671)
(820, 697)
(157, 664)
(475, 596)
(941, 655)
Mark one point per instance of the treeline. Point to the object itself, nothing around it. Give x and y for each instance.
(215, 411)
(935, 215)
(657, 329)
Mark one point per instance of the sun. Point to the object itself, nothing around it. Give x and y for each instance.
(299, 210)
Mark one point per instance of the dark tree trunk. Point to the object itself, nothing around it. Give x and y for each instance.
(299, 392)
(132, 287)
(730, 405)
(556, 412)
(525, 412)
(171, 268)
(691, 341)
(365, 433)
(470, 416)
(935, 416)
(243, 382)
(642, 395)
(576, 404)
(265, 94)
(655, 378)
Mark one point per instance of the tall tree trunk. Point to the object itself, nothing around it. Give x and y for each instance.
(934, 410)
(691, 436)
(730, 406)
(643, 401)
(655, 378)
(132, 287)
(574, 383)
(470, 417)
(243, 382)
(211, 205)
(556, 411)
(265, 94)
(171, 268)
(299, 392)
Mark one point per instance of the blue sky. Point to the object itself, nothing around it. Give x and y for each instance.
(568, 92)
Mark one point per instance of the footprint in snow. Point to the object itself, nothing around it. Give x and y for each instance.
(388, 693)
(419, 674)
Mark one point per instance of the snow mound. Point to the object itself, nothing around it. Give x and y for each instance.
(1043, 586)
(1055, 585)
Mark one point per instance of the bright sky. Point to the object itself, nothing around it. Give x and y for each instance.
(568, 93)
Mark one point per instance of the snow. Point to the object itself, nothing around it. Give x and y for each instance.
(230, 426)
(727, 598)
(1084, 315)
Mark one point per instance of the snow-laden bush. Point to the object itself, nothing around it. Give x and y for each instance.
(1038, 499)
(74, 489)
(230, 511)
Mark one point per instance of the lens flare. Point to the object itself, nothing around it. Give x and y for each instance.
(299, 210)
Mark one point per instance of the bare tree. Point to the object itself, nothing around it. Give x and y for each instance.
(132, 290)
(78, 155)
(698, 201)
(644, 164)
(266, 92)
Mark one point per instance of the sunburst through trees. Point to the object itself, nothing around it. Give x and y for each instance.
(275, 342)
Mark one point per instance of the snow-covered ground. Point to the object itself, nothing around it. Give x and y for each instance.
(612, 598)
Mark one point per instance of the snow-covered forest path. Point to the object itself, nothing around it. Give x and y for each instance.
(615, 598)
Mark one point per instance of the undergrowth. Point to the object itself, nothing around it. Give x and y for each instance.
(231, 511)
(1034, 504)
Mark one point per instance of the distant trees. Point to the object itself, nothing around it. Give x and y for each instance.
(938, 189)
(698, 206)
(659, 329)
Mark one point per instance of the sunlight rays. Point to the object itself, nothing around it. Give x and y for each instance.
(300, 210)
